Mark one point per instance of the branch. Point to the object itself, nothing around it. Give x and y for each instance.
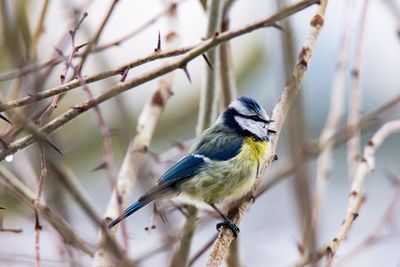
(138, 147)
(226, 71)
(366, 165)
(335, 113)
(208, 93)
(353, 145)
(24, 194)
(280, 111)
(159, 71)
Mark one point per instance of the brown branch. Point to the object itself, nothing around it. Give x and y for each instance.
(96, 37)
(39, 29)
(138, 147)
(226, 71)
(40, 188)
(355, 102)
(4, 229)
(379, 233)
(172, 6)
(335, 113)
(365, 166)
(280, 111)
(150, 75)
(24, 194)
(208, 92)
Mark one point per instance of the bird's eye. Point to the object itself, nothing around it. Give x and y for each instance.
(254, 118)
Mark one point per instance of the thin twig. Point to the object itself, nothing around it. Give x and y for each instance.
(96, 37)
(296, 140)
(378, 233)
(39, 29)
(226, 71)
(145, 25)
(24, 194)
(353, 145)
(40, 187)
(366, 165)
(326, 142)
(209, 96)
(139, 145)
(280, 111)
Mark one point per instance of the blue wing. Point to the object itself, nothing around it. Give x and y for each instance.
(188, 166)
(219, 145)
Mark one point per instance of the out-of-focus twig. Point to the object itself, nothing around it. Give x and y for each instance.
(209, 97)
(366, 165)
(353, 144)
(38, 199)
(139, 145)
(23, 193)
(71, 184)
(356, 198)
(96, 37)
(279, 114)
(172, 6)
(208, 106)
(326, 142)
(378, 233)
(296, 138)
(39, 29)
(225, 66)
(4, 229)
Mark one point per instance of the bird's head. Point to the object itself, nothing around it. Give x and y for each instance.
(248, 118)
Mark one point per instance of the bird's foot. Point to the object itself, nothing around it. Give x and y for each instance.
(231, 225)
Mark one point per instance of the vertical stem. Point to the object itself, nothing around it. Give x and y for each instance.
(208, 109)
(353, 145)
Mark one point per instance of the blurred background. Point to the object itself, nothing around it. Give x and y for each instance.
(271, 231)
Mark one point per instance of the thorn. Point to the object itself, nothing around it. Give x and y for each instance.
(158, 48)
(279, 27)
(62, 78)
(100, 166)
(184, 68)
(54, 147)
(124, 74)
(80, 46)
(207, 61)
(4, 118)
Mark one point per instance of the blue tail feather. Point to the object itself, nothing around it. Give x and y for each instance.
(131, 209)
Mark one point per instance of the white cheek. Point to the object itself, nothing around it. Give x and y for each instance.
(256, 127)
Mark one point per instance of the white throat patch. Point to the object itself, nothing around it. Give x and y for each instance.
(257, 128)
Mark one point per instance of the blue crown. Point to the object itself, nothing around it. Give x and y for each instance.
(250, 104)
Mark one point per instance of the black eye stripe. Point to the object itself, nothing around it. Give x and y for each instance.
(253, 117)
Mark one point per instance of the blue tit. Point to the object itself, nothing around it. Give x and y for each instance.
(221, 166)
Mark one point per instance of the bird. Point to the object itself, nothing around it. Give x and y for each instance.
(221, 165)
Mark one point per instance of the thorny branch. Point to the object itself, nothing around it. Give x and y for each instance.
(356, 198)
(278, 115)
(23, 193)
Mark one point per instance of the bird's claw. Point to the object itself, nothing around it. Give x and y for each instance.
(229, 224)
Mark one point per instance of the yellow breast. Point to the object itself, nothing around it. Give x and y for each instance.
(257, 148)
